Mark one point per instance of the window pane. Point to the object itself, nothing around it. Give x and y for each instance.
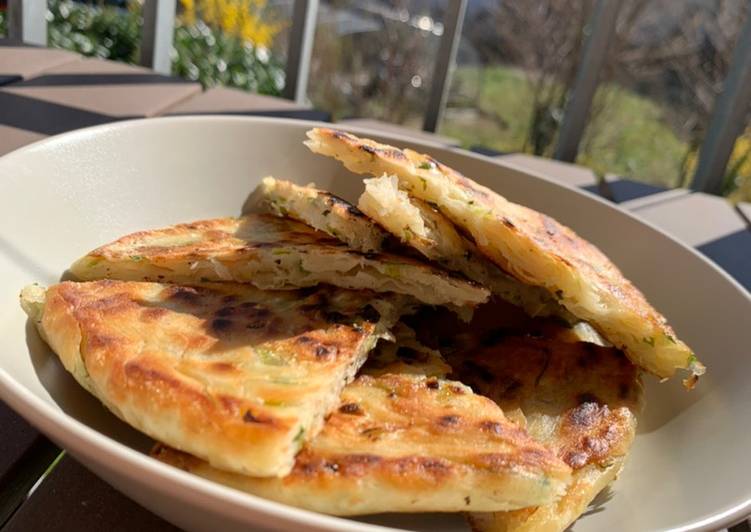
(516, 63)
(231, 43)
(375, 59)
(108, 30)
(738, 172)
(653, 105)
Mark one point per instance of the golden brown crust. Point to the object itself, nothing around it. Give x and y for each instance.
(237, 376)
(409, 443)
(530, 245)
(319, 209)
(592, 391)
(271, 253)
(579, 399)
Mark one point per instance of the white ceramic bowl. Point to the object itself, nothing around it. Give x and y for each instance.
(690, 467)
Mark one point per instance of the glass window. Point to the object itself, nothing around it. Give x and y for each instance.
(375, 59)
(657, 93)
(231, 43)
(108, 30)
(516, 62)
(738, 171)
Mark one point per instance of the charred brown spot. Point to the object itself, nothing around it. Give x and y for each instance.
(350, 408)
(448, 421)
(365, 459)
(394, 153)
(458, 390)
(586, 414)
(341, 135)
(550, 225)
(467, 500)
(368, 149)
(304, 339)
(222, 367)
(249, 417)
(508, 223)
(373, 433)
(576, 459)
(258, 245)
(492, 426)
(332, 467)
(184, 295)
(434, 465)
(152, 314)
(325, 351)
(221, 325)
(432, 384)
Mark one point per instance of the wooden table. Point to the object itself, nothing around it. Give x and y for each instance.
(45, 92)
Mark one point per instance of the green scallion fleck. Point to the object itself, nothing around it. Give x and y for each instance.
(300, 437)
(268, 357)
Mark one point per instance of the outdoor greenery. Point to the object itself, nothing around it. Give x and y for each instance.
(217, 42)
(628, 134)
(627, 137)
(228, 42)
(93, 30)
(647, 122)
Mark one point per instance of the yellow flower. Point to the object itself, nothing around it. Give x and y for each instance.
(242, 18)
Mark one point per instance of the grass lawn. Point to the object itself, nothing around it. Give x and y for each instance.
(626, 136)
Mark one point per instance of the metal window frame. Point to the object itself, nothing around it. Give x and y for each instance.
(453, 21)
(601, 28)
(157, 34)
(728, 118)
(300, 50)
(27, 21)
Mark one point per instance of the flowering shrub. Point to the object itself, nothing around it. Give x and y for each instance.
(216, 42)
(226, 42)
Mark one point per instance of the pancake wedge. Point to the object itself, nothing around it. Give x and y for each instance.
(532, 247)
(227, 372)
(318, 209)
(408, 443)
(578, 399)
(421, 226)
(271, 253)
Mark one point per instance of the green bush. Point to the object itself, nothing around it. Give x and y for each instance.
(212, 57)
(200, 53)
(97, 31)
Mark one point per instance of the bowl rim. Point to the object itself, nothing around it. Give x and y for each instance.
(87, 441)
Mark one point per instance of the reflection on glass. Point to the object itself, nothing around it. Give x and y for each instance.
(666, 68)
(375, 59)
